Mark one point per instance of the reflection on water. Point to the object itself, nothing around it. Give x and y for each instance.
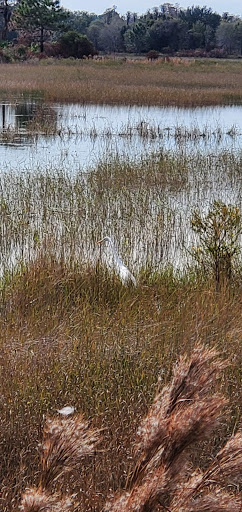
(22, 122)
(16, 115)
(47, 201)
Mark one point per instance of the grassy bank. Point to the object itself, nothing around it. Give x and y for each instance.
(78, 337)
(178, 82)
(71, 334)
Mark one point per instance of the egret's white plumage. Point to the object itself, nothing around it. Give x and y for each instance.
(123, 271)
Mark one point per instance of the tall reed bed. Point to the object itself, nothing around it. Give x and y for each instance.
(145, 205)
(184, 83)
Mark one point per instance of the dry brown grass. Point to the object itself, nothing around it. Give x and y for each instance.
(183, 413)
(37, 500)
(180, 83)
(77, 337)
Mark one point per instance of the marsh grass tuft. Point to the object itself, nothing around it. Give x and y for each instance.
(66, 442)
(183, 413)
(179, 82)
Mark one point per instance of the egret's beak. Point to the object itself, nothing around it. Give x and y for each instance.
(100, 241)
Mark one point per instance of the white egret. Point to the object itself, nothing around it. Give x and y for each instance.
(124, 273)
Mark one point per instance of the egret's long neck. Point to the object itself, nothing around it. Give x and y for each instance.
(115, 254)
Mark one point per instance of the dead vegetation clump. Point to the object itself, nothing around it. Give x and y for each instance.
(162, 477)
(66, 442)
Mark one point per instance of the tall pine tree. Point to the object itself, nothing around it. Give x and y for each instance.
(40, 16)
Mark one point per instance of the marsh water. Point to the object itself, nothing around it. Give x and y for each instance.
(39, 139)
(78, 136)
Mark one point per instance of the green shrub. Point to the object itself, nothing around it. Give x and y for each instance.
(152, 55)
(21, 51)
(219, 233)
(73, 44)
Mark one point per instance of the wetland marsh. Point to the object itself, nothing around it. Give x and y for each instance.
(143, 169)
(70, 173)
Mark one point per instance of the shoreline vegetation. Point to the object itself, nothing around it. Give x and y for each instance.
(72, 334)
(177, 82)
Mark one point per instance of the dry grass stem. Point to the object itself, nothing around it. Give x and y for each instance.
(217, 501)
(37, 500)
(66, 442)
(184, 413)
(227, 465)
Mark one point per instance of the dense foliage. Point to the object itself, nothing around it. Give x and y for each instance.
(73, 44)
(166, 29)
(40, 16)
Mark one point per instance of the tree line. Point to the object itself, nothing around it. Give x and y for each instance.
(167, 29)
